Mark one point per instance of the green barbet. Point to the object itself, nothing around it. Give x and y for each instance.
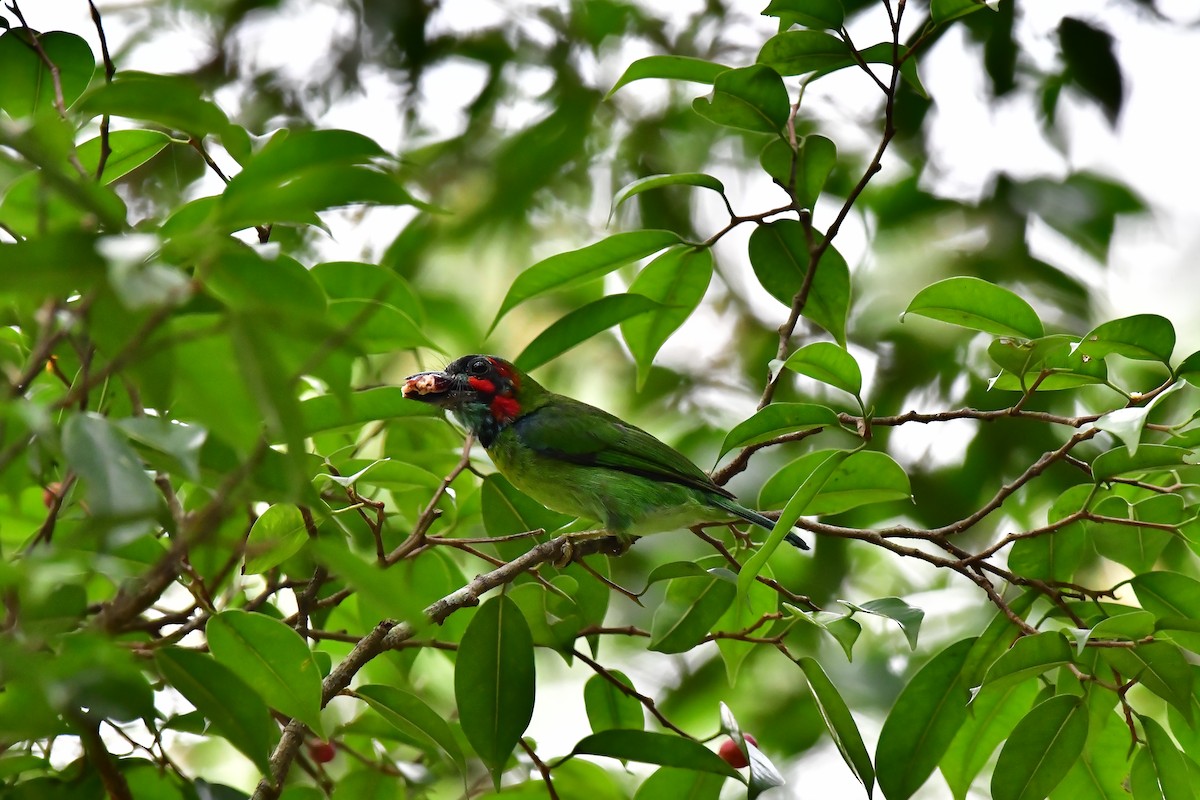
(575, 458)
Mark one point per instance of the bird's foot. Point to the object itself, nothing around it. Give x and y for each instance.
(616, 545)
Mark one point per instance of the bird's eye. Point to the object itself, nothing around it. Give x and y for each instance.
(480, 366)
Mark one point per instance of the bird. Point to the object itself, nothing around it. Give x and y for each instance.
(575, 458)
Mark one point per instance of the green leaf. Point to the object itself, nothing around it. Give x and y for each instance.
(763, 774)
(377, 327)
(118, 492)
(645, 747)
(577, 266)
(827, 14)
(172, 101)
(751, 98)
(1041, 749)
(1174, 599)
(272, 659)
(1143, 337)
(787, 518)
(922, 723)
(946, 10)
(50, 264)
(1159, 666)
(181, 443)
(865, 477)
(842, 627)
(328, 412)
(677, 280)
(815, 158)
(672, 783)
(1170, 767)
(908, 617)
(978, 305)
(1128, 423)
(690, 609)
(582, 324)
(130, 149)
(680, 68)
(1189, 369)
(608, 707)
(27, 88)
(828, 363)
(840, 723)
(996, 638)
(657, 181)
(1149, 458)
(778, 419)
(801, 52)
(354, 280)
(233, 709)
(1023, 356)
(1050, 556)
(1057, 367)
(413, 717)
(1131, 626)
(993, 717)
(506, 510)
(798, 52)
(1101, 769)
(1029, 657)
(779, 254)
(494, 682)
(275, 536)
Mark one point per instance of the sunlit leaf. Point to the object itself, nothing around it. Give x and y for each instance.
(979, 305)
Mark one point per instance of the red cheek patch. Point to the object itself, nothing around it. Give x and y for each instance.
(482, 385)
(505, 408)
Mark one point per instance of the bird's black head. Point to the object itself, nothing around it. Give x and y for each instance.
(482, 391)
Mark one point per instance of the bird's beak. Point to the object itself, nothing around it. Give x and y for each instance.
(430, 387)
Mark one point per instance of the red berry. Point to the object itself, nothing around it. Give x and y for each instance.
(321, 752)
(732, 754)
(51, 493)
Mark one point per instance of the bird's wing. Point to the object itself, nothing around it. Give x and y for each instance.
(569, 430)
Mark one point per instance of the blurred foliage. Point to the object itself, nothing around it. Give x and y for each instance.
(217, 509)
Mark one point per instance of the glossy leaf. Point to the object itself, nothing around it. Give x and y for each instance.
(328, 412)
(764, 775)
(1029, 657)
(582, 324)
(27, 88)
(1041, 749)
(1159, 666)
(1170, 768)
(130, 149)
(118, 491)
(1173, 598)
(827, 14)
(277, 534)
(690, 609)
(798, 52)
(787, 518)
(778, 419)
(842, 627)
(1149, 458)
(947, 10)
(828, 363)
(608, 707)
(1051, 556)
(779, 254)
(677, 280)
(840, 723)
(680, 68)
(634, 188)
(992, 719)
(646, 747)
(751, 98)
(908, 617)
(865, 477)
(494, 682)
(233, 709)
(815, 157)
(1102, 768)
(172, 101)
(671, 783)
(415, 718)
(272, 659)
(922, 723)
(1143, 337)
(978, 305)
(587, 263)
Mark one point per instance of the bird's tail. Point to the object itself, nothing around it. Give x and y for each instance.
(758, 519)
